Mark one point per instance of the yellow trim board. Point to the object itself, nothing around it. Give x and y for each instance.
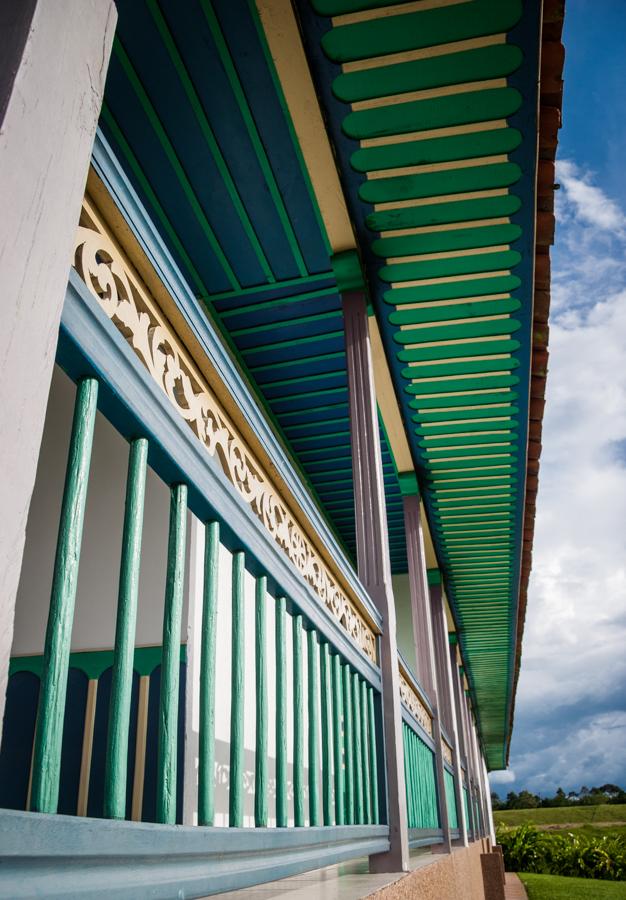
(387, 402)
(285, 45)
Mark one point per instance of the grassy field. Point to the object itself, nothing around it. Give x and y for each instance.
(563, 816)
(554, 887)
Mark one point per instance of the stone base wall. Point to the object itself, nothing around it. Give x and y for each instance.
(457, 876)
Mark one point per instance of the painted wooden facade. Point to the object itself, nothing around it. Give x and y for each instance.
(271, 598)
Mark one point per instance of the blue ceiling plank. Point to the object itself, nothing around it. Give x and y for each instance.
(143, 44)
(242, 35)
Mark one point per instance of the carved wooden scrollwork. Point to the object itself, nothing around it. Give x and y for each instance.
(122, 295)
(415, 706)
(446, 752)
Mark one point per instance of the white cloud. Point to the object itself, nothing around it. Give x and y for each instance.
(502, 776)
(571, 703)
(591, 204)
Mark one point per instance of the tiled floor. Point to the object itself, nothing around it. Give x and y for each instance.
(513, 888)
(349, 881)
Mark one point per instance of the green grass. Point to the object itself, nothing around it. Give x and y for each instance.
(562, 815)
(555, 887)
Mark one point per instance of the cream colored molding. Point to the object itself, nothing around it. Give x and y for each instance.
(285, 45)
(110, 277)
(387, 402)
(429, 550)
(415, 705)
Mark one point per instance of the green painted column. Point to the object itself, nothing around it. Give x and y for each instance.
(122, 678)
(313, 722)
(170, 665)
(367, 787)
(281, 714)
(327, 740)
(260, 763)
(359, 815)
(49, 734)
(298, 724)
(349, 744)
(235, 805)
(373, 755)
(340, 816)
(206, 762)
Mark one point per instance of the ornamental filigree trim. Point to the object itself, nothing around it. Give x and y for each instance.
(446, 752)
(102, 265)
(414, 704)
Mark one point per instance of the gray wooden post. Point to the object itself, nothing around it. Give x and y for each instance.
(52, 73)
(489, 808)
(461, 713)
(374, 566)
(477, 774)
(471, 764)
(446, 699)
(459, 754)
(424, 642)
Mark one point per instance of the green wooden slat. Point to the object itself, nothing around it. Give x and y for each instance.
(235, 816)
(338, 717)
(281, 714)
(49, 731)
(327, 736)
(348, 721)
(373, 756)
(460, 310)
(170, 665)
(365, 761)
(206, 760)
(434, 184)
(476, 64)
(460, 349)
(481, 286)
(447, 385)
(260, 760)
(298, 724)
(442, 213)
(490, 261)
(413, 30)
(451, 331)
(122, 677)
(446, 241)
(313, 728)
(359, 818)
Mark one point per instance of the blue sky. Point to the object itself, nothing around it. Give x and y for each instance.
(570, 724)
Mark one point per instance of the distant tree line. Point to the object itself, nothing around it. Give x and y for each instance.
(606, 793)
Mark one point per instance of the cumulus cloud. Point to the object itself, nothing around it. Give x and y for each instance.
(570, 724)
(591, 204)
(503, 776)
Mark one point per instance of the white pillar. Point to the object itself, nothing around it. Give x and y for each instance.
(51, 97)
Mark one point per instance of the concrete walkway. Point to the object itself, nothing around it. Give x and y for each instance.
(513, 888)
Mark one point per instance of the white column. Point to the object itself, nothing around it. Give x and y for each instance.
(51, 99)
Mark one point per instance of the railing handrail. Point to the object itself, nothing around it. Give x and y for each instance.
(142, 227)
(134, 403)
(413, 681)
